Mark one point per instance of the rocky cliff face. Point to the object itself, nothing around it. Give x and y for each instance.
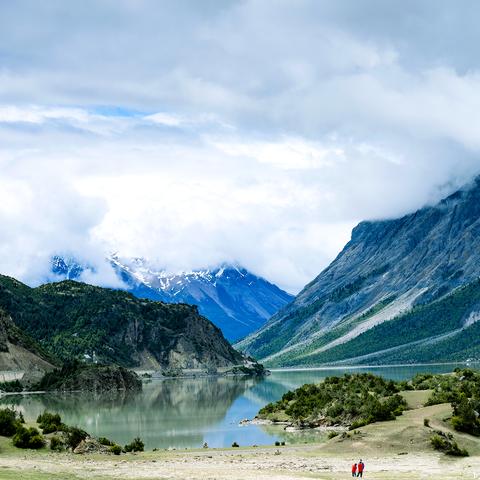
(19, 351)
(388, 269)
(74, 320)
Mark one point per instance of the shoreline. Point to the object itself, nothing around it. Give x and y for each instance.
(146, 377)
(346, 367)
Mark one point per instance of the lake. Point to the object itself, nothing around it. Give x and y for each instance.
(185, 413)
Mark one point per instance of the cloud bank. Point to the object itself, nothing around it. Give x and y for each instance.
(194, 133)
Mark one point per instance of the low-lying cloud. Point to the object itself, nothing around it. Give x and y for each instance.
(250, 132)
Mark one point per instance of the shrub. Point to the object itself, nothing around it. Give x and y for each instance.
(135, 446)
(50, 422)
(426, 422)
(56, 444)
(444, 442)
(277, 443)
(105, 441)
(74, 436)
(235, 445)
(465, 417)
(332, 434)
(116, 449)
(8, 422)
(438, 442)
(28, 438)
(12, 386)
(358, 424)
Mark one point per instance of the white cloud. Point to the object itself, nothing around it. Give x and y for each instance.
(166, 119)
(288, 154)
(257, 132)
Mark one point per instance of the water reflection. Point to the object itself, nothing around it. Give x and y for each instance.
(168, 413)
(187, 412)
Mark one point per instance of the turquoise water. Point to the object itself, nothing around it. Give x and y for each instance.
(185, 413)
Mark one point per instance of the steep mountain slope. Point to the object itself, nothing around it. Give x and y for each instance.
(75, 320)
(234, 299)
(388, 268)
(18, 351)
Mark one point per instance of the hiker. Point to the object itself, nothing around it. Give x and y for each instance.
(361, 467)
(354, 470)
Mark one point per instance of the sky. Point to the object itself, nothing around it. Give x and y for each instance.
(251, 132)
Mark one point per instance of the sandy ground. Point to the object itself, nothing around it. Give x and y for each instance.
(264, 464)
(390, 450)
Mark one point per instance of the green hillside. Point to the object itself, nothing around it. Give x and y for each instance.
(437, 331)
(74, 320)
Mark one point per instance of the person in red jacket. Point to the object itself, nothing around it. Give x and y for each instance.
(361, 468)
(354, 470)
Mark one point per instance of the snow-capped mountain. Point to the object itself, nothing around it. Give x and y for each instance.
(234, 299)
(66, 267)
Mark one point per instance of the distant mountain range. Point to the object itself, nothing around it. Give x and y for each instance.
(403, 290)
(234, 299)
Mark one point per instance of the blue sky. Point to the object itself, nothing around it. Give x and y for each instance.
(194, 133)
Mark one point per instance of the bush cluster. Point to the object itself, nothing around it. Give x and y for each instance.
(74, 436)
(28, 438)
(50, 422)
(56, 444)
(10, 420)
(135, 446)
(444, 442)
(105, 441)
(11, 425)
(354, 400)
(10, 387)
(116, 449)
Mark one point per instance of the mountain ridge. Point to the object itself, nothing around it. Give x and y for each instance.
(385, 270)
